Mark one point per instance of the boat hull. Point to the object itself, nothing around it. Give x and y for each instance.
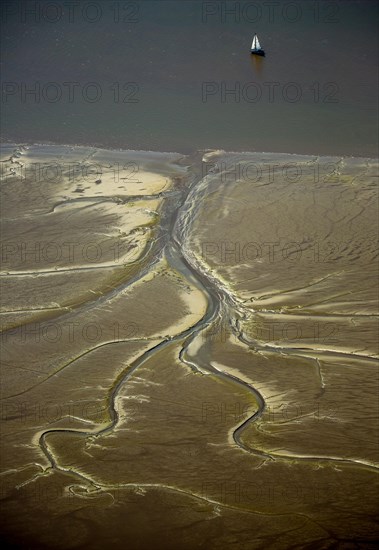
(258, 52)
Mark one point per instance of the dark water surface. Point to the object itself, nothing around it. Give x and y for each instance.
(165, 53)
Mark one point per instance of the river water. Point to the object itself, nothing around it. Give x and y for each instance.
(178, 76)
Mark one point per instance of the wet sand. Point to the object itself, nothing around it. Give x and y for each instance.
(189, 349)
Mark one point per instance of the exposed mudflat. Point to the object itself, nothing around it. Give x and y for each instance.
(190, 354)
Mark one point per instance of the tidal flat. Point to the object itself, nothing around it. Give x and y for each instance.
(190, 352)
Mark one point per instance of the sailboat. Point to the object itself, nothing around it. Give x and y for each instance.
(256, 47)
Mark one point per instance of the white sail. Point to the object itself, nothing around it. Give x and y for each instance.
(255, 45)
